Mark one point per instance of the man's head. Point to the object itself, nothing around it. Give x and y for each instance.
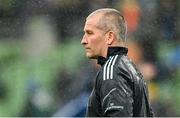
(103, 28)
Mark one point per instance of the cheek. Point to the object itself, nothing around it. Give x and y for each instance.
(100, 42)
(97, 42)
(99, 45)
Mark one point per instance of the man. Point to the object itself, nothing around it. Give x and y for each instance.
(119, 89)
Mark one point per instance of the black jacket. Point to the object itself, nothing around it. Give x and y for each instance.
(120, 89)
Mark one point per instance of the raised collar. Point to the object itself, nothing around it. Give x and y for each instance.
(112, 51)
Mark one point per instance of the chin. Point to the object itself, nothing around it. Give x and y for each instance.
(88, 56)
(91, 56)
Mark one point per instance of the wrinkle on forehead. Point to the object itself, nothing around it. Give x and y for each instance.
(94, 19)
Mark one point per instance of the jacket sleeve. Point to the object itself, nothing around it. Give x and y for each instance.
(116, 97)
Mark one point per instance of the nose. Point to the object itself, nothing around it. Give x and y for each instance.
(84, 40)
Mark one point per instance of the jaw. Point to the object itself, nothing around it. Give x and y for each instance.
(90, 56)
(103, 53)
(100, 50)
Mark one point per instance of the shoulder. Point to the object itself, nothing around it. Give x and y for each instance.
(107, 72)
(108, 68)
(114, 70)
(116, 66)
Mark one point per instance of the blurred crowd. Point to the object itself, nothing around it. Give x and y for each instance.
(43, 68)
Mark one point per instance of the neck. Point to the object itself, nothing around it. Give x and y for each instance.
(104, 52)
(114, 44)
(117, 44)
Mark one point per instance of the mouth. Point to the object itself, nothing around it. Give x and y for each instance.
(87, 48)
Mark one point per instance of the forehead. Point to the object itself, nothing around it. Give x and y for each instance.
(91, 22)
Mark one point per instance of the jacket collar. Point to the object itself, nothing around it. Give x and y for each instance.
(112, 51)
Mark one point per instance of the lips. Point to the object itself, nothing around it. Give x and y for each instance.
(87, 48)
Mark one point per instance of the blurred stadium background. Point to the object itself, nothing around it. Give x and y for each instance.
(43, 68)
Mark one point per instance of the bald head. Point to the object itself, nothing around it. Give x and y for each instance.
(110, 20)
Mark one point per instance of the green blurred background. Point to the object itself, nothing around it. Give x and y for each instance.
(43, 68)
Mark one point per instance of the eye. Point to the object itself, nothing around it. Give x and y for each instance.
(89, 32)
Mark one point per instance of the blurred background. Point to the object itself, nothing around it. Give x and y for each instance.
(43, 68)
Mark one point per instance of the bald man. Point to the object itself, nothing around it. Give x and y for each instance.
(119, 89)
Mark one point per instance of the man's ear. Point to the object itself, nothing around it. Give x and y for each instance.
(110, 37)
